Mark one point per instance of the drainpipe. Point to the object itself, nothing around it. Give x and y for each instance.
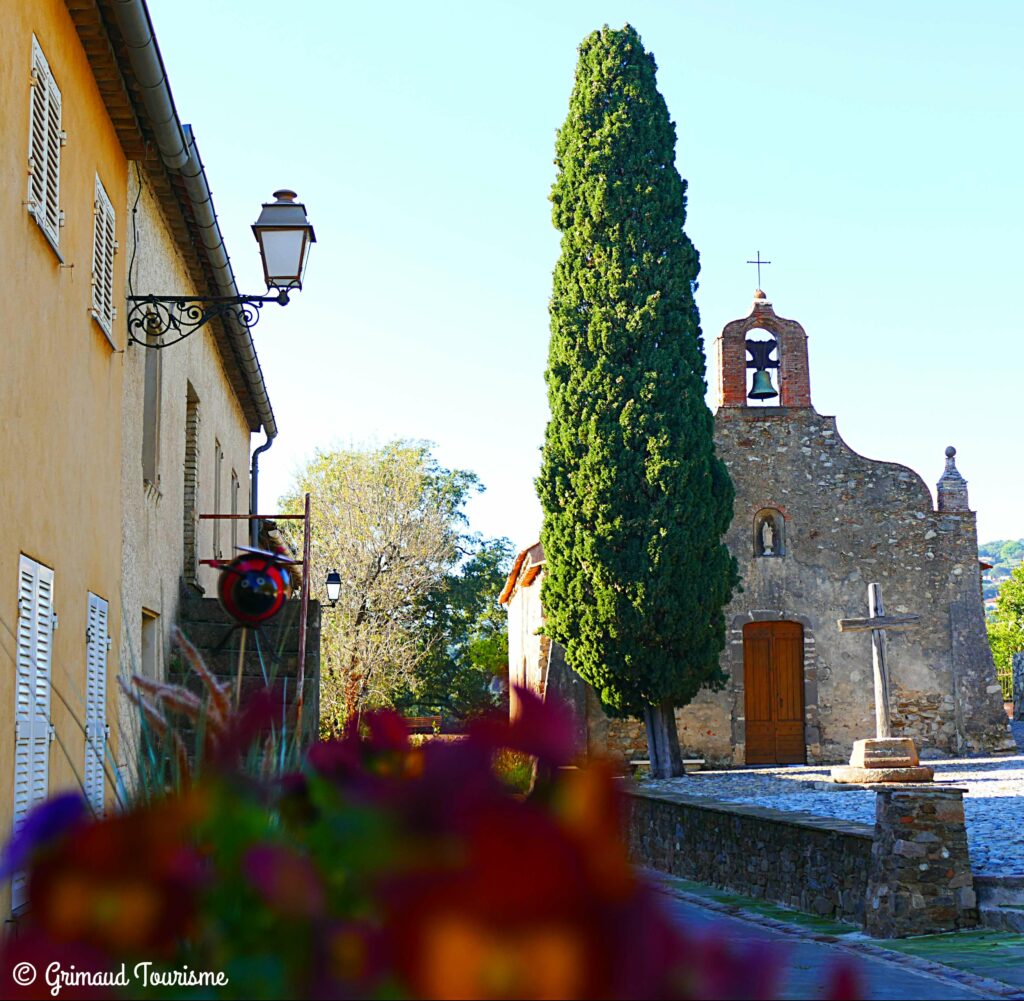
(177, 147)
(254, 525)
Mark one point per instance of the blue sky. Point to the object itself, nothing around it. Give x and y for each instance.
(871, 151)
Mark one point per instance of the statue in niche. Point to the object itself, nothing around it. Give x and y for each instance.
(768, 533)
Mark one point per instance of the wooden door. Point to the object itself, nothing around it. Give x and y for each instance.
(773, 677)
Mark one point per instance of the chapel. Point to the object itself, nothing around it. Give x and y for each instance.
(813, 524)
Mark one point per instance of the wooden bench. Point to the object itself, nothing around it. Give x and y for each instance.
(423, 724)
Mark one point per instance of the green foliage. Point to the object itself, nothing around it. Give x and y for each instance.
(465, 636)
(1004, 555)
(515, 770)
(635, 500)
(1006, 627)
(1002, 551)
(416, 610)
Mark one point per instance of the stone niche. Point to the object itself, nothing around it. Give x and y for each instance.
(769, 533)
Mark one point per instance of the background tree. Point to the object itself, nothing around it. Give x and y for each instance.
(390, 520)
(1006, 626)
(465, 667)
(1004, 555)
(635, 500)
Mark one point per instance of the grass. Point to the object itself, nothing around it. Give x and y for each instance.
(811, 922)
(984, 952)
(515, 769)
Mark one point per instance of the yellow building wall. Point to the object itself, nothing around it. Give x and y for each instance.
(60, 385)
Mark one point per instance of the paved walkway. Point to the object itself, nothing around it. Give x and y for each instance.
(810, 953)
(993, 803)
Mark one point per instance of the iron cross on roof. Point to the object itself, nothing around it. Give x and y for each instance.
(759, 262)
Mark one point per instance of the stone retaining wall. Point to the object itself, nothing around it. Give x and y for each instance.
(909, 874)
(817, 865)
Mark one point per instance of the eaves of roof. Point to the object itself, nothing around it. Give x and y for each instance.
(107, 52)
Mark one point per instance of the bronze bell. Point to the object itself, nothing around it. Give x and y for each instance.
(762, 389)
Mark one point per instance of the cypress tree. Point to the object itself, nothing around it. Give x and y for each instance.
(635, 500)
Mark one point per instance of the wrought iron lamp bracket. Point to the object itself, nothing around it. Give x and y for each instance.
(152, 318)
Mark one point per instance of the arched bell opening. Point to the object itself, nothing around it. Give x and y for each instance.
(762, 349)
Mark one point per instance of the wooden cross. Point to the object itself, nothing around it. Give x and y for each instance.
(759, 262)
(878, 622)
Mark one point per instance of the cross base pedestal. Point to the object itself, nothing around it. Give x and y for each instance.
(882, 760)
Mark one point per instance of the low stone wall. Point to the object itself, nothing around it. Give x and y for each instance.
(909, 874)
(810, 863)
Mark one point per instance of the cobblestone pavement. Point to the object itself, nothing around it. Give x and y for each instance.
(993, 803)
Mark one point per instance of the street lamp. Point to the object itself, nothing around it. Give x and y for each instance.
(283, 233)
(333, 587)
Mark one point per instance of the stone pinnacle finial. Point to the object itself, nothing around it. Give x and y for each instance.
(758, 294)
(952, 487)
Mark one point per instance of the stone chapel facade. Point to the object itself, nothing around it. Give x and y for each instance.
(813, 524)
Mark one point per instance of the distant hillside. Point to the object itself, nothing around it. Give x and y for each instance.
(1004, 555)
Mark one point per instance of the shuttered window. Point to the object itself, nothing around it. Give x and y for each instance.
(103, 249)
(44, 145)
(32, 696)
(96, 645)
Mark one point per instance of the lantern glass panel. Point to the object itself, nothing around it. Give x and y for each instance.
(282, 256)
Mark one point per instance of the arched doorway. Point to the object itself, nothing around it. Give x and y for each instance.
(773, 680)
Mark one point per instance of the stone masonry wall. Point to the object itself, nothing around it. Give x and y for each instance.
(817, 865)
(206, 624)
(919, 880)
(910, 874)
(848, 521)
(842, 521)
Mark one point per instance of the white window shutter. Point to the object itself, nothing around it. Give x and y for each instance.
(54, 141)
(37, 132)
(45, 141)
(103, 248)
(32, 699)
(95, 702)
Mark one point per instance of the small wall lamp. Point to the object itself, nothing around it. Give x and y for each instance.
(333, 587)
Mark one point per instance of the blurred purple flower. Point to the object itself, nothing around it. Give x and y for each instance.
(287, 881)
(47, 822)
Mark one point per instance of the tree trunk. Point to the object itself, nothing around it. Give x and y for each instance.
(663, 741)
